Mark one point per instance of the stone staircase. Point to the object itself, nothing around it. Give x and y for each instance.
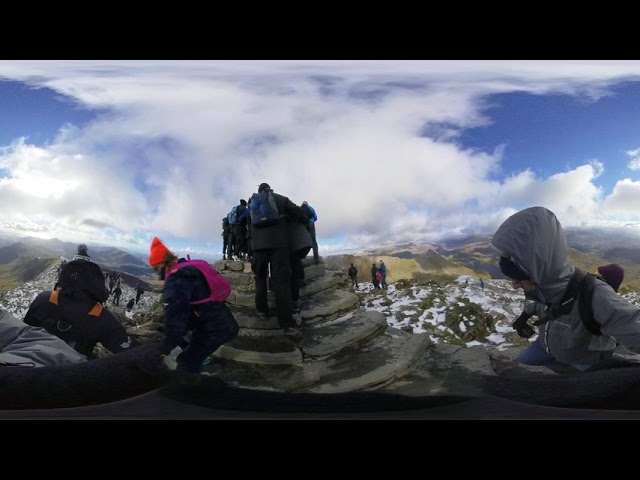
(345, 347)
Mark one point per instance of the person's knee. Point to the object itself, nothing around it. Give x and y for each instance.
(533, 355)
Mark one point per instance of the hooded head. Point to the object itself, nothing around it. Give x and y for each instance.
(263, 186)
(613, 274)
(243, 201)
(157, 251)
(532, 239)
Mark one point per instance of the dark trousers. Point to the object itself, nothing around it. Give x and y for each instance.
(297, 276)
(215, 328)
(241, 239)
(231, 245)
(312, 232)
(225, 244)
(280, 282)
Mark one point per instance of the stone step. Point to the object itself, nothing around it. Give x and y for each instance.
(367, 366)
(268, 350)
(245, 298)
(326, 339)
(368, 369)
(327, 305)
(320, 341)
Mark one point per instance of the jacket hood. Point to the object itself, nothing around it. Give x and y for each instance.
(533, 238)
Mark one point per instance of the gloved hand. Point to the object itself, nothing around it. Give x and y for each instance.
(521, 326)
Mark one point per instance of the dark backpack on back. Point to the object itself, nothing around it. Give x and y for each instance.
(233, 215)
(580, 288)
(264, 209)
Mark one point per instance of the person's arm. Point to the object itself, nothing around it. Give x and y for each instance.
(176, 297)
(295, 212)
(618, 318)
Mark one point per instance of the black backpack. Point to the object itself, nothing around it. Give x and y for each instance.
(580, 288)
(264, 209)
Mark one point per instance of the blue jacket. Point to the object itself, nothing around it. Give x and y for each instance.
(315, 217)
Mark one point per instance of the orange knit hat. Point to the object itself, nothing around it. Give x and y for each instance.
(157, 251)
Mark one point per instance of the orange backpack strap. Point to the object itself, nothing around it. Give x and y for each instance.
(53, 298)
(96, 310)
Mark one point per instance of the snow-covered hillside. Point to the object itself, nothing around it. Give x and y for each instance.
(17, 300)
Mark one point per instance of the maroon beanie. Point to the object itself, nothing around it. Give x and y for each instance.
(613, 274)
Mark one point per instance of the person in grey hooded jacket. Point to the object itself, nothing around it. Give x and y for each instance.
(534, 254)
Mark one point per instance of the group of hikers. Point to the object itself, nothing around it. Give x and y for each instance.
(195, 320)
(532, 253)
(378, 276)
(279, 237)
(237, 228)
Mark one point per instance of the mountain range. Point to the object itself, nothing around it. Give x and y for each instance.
(23, 258)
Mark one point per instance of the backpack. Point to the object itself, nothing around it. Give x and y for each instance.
(580, 288)
(219, 286)
(264, 209)
(307, 211)
(232, 216)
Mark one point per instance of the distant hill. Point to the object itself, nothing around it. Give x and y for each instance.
(108, 258)
(474, 255)
(22, 270)
(27, 257)
(426, 266)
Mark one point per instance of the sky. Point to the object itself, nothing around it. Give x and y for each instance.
(387, 152)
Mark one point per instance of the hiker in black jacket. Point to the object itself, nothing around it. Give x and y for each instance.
(225, 236)
(270, 247)
(374, 276)
(80, 323)
(300, 244)
(240, 231)
(353, 273)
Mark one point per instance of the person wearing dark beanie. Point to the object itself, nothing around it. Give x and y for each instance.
(613, 274)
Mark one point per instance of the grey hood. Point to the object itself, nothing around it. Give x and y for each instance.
(534, 240)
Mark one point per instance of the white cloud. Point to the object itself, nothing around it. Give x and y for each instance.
(175, 145)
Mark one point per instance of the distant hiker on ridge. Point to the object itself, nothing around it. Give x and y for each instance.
(374, 276)
(353, 273)
(383, 271)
